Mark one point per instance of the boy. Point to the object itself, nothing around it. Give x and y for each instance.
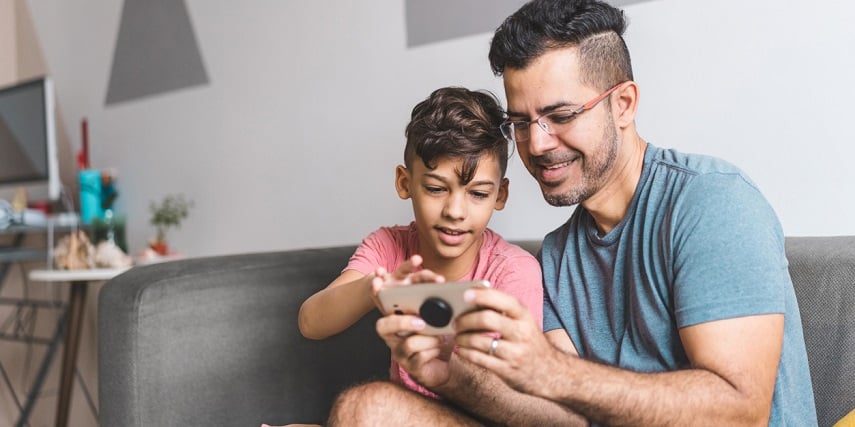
(454, 172)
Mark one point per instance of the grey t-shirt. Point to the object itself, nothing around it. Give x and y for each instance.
(699, 243)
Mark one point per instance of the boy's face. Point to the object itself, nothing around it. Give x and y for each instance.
(450, 216)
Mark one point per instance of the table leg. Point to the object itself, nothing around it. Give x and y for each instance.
(74, 319)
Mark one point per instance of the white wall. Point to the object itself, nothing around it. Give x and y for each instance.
(8, 60)
(763, 84)
(294, 142)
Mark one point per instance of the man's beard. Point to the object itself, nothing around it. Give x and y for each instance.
(595, 171)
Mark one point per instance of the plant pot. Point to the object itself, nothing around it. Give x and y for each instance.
(160, 247)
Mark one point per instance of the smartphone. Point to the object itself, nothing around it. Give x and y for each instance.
(438, 304)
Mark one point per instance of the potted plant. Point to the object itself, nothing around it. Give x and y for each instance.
(169, 213)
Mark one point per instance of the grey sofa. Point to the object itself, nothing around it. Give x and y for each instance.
(213, 341)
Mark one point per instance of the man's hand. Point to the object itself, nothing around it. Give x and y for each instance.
(518, 353)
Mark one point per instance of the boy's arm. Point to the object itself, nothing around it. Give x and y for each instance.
(352, 295)
(337, 307)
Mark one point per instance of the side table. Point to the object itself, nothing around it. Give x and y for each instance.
(79, 280)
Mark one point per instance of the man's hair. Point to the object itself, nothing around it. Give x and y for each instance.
(592, 26)
(456, 123)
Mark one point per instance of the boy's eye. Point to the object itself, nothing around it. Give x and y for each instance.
(480, 194)
(433, 189)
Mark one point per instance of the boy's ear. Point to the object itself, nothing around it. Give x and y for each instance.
(503, 194)
(403, 180)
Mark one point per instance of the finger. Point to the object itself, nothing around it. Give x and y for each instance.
(497, 301)
(393, 326)
(426, 276)
(377, 284)
(407, 267)
(484, 320)
(483, 359)
(479, 342)
(416, 260)
(421, 343)
(416, 350)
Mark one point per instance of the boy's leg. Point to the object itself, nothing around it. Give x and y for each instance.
(386, 403)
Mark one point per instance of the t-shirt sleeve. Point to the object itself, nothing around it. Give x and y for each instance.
(729, 258)
(379, 249)
(550, 315)
(522, 278)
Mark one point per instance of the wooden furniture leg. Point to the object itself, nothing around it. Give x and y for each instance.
(69, 358)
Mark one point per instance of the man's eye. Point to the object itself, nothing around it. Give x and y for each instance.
(561, 118)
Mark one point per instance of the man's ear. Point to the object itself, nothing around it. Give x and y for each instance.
(403, 180)
(625, 104)
(503, 194)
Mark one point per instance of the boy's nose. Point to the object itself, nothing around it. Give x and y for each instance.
(455, 206)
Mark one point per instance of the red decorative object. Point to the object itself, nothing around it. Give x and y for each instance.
(160, 247)
(83, 155)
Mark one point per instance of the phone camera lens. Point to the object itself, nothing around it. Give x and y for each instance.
(435, 312)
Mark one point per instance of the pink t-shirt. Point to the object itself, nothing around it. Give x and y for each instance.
(508, 267)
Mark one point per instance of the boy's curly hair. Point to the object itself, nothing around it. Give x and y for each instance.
(457, 123)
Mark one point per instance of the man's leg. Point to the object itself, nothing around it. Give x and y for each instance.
(386, 403)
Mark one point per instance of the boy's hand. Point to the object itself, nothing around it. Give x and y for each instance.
(407, 273)
(424, 357)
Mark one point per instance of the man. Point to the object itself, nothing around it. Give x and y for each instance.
(667, 299)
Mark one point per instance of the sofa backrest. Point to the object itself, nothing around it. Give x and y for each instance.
(823, 273)
(214, 341)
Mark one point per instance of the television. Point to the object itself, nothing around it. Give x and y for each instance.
(28, 151)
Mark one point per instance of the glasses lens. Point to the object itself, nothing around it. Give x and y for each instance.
(520, 131)
(515, 131)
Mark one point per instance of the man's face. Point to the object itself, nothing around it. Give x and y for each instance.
(451, 216)
(573, 165)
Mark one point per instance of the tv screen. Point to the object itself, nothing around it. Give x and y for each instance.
(27, 136)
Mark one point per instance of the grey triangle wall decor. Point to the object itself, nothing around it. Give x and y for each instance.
(156, 51)
(431, 21)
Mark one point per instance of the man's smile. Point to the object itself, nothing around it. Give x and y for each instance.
(552, 172)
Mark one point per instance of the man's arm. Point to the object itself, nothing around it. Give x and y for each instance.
(483, 394)
(730, 382)
(428, 360)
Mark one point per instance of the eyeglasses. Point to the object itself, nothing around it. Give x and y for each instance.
(552, 122)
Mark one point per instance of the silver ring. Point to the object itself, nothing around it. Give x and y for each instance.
(493, 346)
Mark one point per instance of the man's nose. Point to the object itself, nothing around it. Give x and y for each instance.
(540, 142)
